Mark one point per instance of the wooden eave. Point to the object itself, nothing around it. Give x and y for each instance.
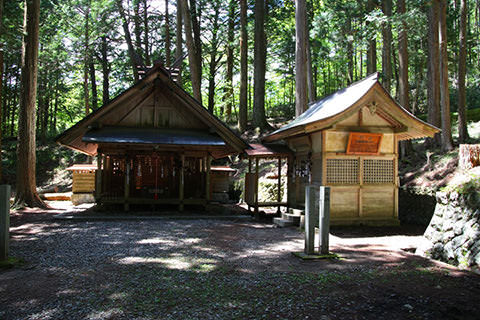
(404, 124)
(141, 90)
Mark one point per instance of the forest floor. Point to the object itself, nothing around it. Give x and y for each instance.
(212, 269)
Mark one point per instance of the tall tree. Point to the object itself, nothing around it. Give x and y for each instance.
(387, 46)
(86, 58)
(259, 66)
(137, 29)
(134, 61)
(403, 58)
(105, 70)
(26, 193)
(462, 70)
(2, 114)
(195, 17)
(93, 84)
(403, 87)
(167, 36)
(195, 68)
(242, 109)
(178, 42)
(372, 45)
(447, 141)
(433, 74)
(146, 41)
(300, 57)
(230, 38)
(214, 59)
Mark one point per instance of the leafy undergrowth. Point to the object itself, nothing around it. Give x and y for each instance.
(52, 159)
(431, 169)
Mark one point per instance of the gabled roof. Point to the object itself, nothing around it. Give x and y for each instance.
(157, 76)
(328, 111)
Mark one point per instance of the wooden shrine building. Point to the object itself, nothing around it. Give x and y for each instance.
(349, 141)
(154, 144)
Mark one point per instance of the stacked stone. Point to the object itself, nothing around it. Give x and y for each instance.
(453, 235)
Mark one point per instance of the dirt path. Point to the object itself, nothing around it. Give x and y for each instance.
(212, 269)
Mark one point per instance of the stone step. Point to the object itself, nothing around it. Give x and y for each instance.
(296, 212)
(291, 217)
(283, 223)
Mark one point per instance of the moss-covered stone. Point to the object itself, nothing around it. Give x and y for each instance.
(453, 234)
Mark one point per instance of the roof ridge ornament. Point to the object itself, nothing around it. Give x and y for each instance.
(372, 107)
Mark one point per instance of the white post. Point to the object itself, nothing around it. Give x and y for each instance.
(324, 221)
(310, 219)
(4, 221)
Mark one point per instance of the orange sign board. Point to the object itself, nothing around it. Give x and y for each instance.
(364, 143)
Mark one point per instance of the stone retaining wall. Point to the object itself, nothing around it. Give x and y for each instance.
(453, 234)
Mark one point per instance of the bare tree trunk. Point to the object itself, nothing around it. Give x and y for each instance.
(86, 59)
(2, 114)
(55, 108)
(93, 81)
(195, 69)
(387, 46)
(300, 58)
(146, 40)
(197, 41)
(259, 64)
(433, 74)
(128, 38)
(26, 193)
(167, 36)
(403, 60)
(372, 46)
(403, 87)
(178, 44)
(136, 25)
(462, 70)
(105, 71)
(348, 32)
(447, 142)
(213, 59)
(230, 39)
(243, 108)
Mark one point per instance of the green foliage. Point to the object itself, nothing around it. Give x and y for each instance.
(339, 33)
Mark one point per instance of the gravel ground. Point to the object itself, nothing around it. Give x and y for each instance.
(213, 269)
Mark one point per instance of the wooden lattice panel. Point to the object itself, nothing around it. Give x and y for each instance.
(377, 171)
(342, 171)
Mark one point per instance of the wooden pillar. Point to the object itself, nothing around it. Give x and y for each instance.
(106, 173)
(4, 221)
(257, 214)
(181, 191)
(98, 178)
(207, 178)
(288, 189)
(360, 187)
(127, 184)
(279, 190)
(247, 189)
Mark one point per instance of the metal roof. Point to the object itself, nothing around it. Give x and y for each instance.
(330, 110)
(333, 104)
(268, 150)
(152, 136)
